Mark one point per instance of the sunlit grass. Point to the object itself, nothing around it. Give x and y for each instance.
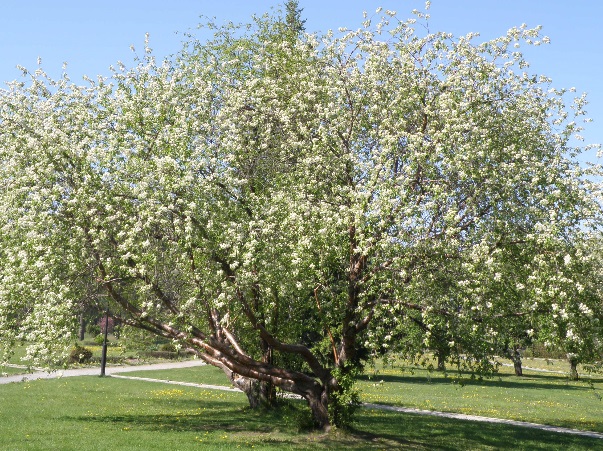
(538, 397)
(206, 374)
(95, 413)
(546, 398)
(9, 370)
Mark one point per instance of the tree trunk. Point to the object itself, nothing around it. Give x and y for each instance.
(254, 390)
(267, 389)
(516, 359)
(260, 394)
(82, 328)
(517, 366)
(573, 374)
(319, 405)
(441, 361)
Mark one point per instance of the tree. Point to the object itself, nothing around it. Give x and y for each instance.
(293, 18)
(268, 201)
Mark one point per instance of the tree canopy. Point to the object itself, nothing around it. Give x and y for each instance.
(286, 204)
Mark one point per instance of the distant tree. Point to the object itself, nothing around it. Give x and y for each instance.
(293, 18)
(574, 319)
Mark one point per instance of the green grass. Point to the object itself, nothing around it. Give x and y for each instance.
(206, 374)
(9, 370)
(545, 398)
(104, 413)
(546, 364)
(537, 397)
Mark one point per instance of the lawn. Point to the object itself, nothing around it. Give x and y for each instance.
(95, 413)
(545, 398)
(207, 374)
(10, 370)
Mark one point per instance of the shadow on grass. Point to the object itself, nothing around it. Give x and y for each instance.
(425, 432)
(216, 417)
(541, 382)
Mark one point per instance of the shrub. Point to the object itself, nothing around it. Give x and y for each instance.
(79, 354)
(168, 347)
(161, 354)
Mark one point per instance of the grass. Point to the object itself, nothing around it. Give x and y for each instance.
(545, 398)
(9, 370)
(206, 374)
(546, 364)
(95, 413)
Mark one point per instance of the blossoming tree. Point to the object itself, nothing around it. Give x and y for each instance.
(279, 202)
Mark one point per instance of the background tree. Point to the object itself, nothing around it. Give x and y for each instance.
(266, 201)
(574, 308)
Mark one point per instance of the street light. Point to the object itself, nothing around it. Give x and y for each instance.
(104, 351)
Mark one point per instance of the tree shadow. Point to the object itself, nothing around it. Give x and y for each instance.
(541, 382)
(372, 430)
(452, 434)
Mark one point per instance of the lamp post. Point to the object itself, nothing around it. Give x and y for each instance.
(104, 350)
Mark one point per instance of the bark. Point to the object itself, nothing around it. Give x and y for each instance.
(573, 374)
(441, 361)
(267, 390)
(82, 328)
(515, 357)
(319, 405)
(518, 368)
(254, 390)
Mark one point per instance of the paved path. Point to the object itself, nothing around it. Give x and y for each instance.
(115, 371)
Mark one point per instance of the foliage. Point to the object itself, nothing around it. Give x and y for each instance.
(93, 329)
(110, 321)
(80, 354)
(346, 400)
(286, 203)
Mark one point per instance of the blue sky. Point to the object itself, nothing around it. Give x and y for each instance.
(90, 36)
